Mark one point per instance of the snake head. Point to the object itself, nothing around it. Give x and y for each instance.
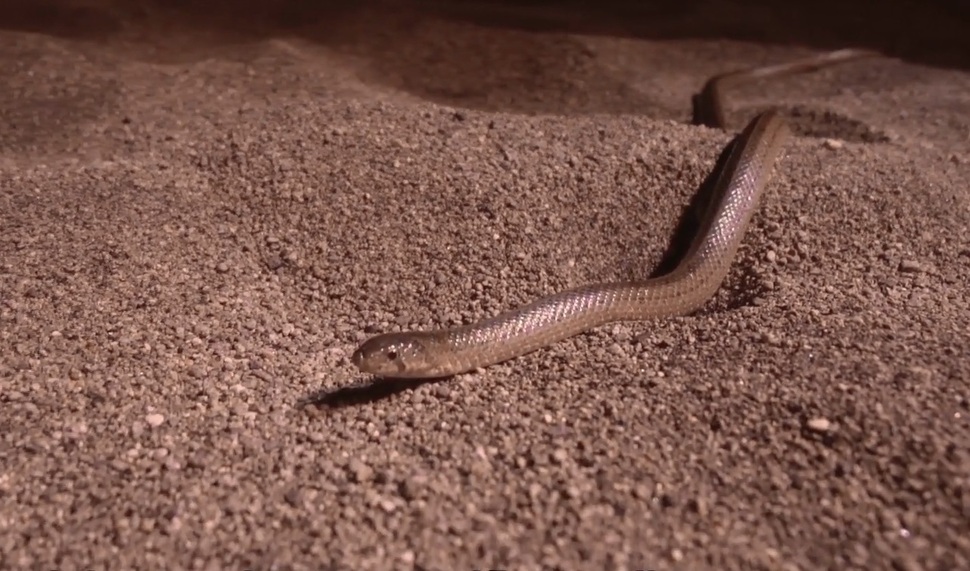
(397, 356)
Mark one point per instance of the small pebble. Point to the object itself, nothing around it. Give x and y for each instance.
(819, 424)
(361, 472)
(154, 419)
(412, 487)
(910, 267)
(833, 144)
(770, 338)
(274, 262)
(294, 497)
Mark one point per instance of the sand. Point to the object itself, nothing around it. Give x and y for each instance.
(204, 212)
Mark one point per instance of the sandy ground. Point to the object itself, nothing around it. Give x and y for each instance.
(200, 225)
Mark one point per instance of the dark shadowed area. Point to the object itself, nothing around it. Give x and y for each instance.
(204, 210)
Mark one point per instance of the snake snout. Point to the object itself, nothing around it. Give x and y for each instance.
(357, 358)
(398, 355)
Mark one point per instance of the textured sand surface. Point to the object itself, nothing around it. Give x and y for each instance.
(199, 222)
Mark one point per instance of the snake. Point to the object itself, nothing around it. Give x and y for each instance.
(736, 194)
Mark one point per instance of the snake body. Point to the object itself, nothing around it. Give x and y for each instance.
(445, 352)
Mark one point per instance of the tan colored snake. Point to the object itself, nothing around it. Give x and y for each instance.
(430, 354)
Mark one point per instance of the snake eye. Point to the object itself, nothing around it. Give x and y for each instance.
(391, 355)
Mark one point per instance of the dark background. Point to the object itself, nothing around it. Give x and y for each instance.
(923, 32)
